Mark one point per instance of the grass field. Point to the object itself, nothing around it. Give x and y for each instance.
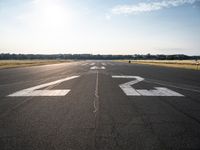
(25, 63)
(187, 64)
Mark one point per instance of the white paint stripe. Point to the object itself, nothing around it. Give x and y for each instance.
(145, 92)
(129, 77)
(129, 91)
(33, 91)
(104, 64)
(51, 83)
(160, 91)
(168, 92)
(96, 68)
(42, 93)
(126, 87)
(92, 64)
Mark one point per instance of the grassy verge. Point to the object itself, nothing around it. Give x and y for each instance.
(186, 64)
(25, 63)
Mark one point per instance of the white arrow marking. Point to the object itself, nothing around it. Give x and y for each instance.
(130, 91)
(96, 68)
(33, 91)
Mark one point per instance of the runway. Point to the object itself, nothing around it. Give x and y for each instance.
(99, 105)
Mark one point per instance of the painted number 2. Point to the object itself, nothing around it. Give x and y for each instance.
(130, 91)
(36, 90)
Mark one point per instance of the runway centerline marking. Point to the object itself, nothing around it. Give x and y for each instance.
(34, 91)
(130, 91)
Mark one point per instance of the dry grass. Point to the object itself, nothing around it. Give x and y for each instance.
(186, 64)
(25, 63)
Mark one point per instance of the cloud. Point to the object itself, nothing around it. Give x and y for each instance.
(151, 6)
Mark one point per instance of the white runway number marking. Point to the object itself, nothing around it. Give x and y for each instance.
(34, 91)
(130, 91)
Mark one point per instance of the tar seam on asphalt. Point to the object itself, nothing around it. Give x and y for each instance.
(96, 99)
(96, 109)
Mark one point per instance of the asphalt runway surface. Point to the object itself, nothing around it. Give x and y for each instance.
(99, 105)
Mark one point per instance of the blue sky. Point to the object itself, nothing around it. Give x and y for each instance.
(100, 26)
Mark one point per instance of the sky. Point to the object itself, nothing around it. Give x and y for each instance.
(100, 26)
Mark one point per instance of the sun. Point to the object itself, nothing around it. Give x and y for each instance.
(53, 15)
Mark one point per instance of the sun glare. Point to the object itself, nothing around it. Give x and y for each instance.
(54, 16)
(51, 15)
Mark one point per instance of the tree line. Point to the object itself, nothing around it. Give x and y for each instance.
(8, 56)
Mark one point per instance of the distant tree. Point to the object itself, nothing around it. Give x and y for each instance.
(7, 56)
